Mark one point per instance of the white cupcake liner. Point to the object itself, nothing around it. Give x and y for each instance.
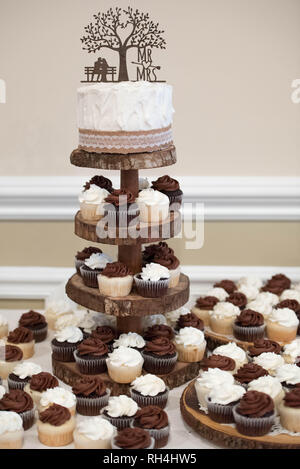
(91, 406)
(90, 366)
(252, 426)
(160, 400)
(158, 365)
(114, 446)
(63, 354)
(248, 334)
(151, 289)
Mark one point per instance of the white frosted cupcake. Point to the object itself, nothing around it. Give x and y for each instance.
(11, 430)
(153, 206)
(56, 309)
(218, 292)
(221, 400)
(94, 433)
(282, 325)
(60, 396)
(270, 361)
(222, 318)
(208, 380)
(115, 280)
(92, 267)
(190, 344)
(3, 327)
(250, 281)
(65, 343)
(124, 364)
(250, 291)
(153, 281)
(173, 316)
(268, 297)
(288, 375)
(120, 411)
(131, 339)
(260, 306)
(269, 385)
(149, 390)
(291, 351)
(92, 203)
(22, 374)
(233, 351)
(290, 295)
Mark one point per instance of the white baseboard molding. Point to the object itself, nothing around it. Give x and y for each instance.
(224, 198)
(40, 282)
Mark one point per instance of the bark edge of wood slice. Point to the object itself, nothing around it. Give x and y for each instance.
(214, 340)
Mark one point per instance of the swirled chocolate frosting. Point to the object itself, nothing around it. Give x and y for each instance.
(87, 252)
(264, 345)
(133, 438)
(159, 330)
(255, 404)
(20, 335)
(190, 320)
(43, 381)
(291, 304)
(99, 181)
(160, 346)
(228, 286)
(120, 197)
(218, 361)
(16, 400)
(277, 284)
(292, 398)
(206, 302)
(55, 415)
(89, 386)
(151, 417)
(166, 184)
(92, 346)
(12, 353)
(161, 249)
(169, 261)
(32, 318)
(116, 269)
(250, 318)
(237, 299)
(105, 333)
(249, 372)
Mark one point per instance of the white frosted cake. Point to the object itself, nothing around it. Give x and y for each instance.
(125, 117)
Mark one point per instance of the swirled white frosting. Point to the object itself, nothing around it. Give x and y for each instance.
(290, 295)
(231, 350)
(96, 428)
(173, 316)
(250, 291)
(119, 406)
(270, 361)
(189, 336)
(292, 350)
(260, 306)
(58, 395)
(26, 369)
(267, 384)
(226, 394)
(2, 391)
(288, 373)
(98, 260)
(148, 385)
(268, 298)
(214, 377)
(87, 323)
(3, 321)
(59, 307)
(296, 286)
(219, 293)
(70, 319)
(102, 319)
(154, 272)
(224, 310)
(151, 197)
(10, 422)
(153, 319)
(124, 356)
(284, 316)
(143, 183)
(132, 339)
(70, 334)
(94, 195)
(250, 281)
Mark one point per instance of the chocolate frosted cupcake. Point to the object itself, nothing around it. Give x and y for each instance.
(40, 383)
(254, 415)
(155, 420)
(289, 411)
(91, 355)
(263, 346)
(169, 187)
(161, 249)
(249, 372)
(203, 306)
(81, 256)
(133, 438)
(121, 209)
(10, 356)
(171, 262)
(23, 338)
(115, 280)
(100, 181)
(22, 374)
(153, 281)
(65, 342)
(106, 334)
(227, 285)
(237, 299)
(91, 395)
(160, 356)
(291, 304)
(35, 322)
(219, 361)
(249, 326)
(277, 284)
(189, 320)
(159, 330)
(55, 426)
(20, 402)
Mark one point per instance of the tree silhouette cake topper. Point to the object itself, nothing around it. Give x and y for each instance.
(108, 31)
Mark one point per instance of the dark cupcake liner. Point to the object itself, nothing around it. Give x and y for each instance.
(252, 426)
(159, 400)
(16, 384)
(78, 264)
(220, 413)
(63, 354)
(90, 276)
(248, 334)
(160, 435)
(119, 422)
(150, 289)
(159, 365)
(91, 405)
(175, 198)
(121, 218)
(39, 334)
(90, 366)
(28, 418)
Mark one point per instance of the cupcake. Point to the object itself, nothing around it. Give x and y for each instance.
(233, 351)
(290, 304)
(159, 330)
(22, 374)
(291, 351)
(218, 293)
(92, 267)
(20, 402)
(71, 319)
(155, 420)
(250, 281)
(22, 338)
(115, 280)
(160, 356)
(172, 263)
(65, 342)
(173, 316)
(263, 346)
(153, 206)
(149, 390)
(203, 306)
(36, 323)
(158, 249)
(277, 284)
(87, 324)
(248, 290)
(288, 375)
(3, 326)
(11, 430)
(213, 378)
(282, 325)
(153, 281)
(289, 411)
(189, 320)
(91, 395)
(94, 433)
(133, 438)
(254, 415)
(221, 400)
(131, 339)
(121, 209)
(248, 373)
(228, 285)
(55, 426)
(249, 326)
(106, 334)
(124, 364)
(262, 306)
(190, 345)
(40, 383)
(237, 299)
(270, 386)
(269, 361)
(170, 187)
(10, 357)
(56, 309)
(92, 201)
(81, 256)
(60, 396)
(222, 318)
(90, 356)
(100, 181)
(219, 361)
(120, 411)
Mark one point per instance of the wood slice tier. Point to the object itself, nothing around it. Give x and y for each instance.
(155, 159)
(182, 373)
(131, 305)
(148, 233)
(226, 435)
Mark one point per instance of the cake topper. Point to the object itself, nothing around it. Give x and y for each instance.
(106, 33)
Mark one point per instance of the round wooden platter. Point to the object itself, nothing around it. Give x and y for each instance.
(155, 159)
(131, 305)
(146, 233)
(69, 374)
(226, 435)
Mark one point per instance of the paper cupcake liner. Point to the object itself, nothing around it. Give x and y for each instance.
(78, 264)
(160, 435)
(114, 446)
(40, 334)
(119, 422)
(12, 384)
(63, 354)
(91, 212)
(220, 413)
(191, 353)
(248, 334)
(151, 289)
(28, 418)
(159, 365)
(121, 218)
(91, 405)
(143, 401)
(90, 277)
(55, 440)
(90, 366)
(252, 426)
